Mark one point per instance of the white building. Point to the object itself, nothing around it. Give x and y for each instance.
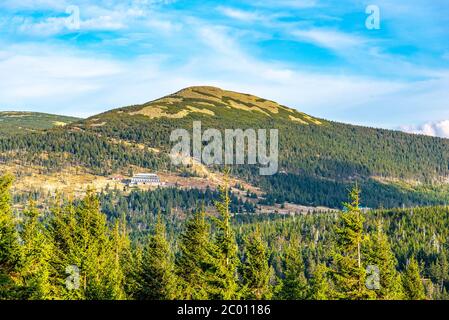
(146, 179)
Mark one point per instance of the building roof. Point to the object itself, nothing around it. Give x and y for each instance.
(145, 175)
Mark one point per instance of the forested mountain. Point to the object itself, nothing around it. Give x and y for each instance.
(316, 156)
(13, 122)
(309, 145)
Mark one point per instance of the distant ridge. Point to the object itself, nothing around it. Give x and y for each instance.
(19, 121)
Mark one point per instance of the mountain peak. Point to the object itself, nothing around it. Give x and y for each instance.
(209, 92)
(204, 89)
(209, 101)
(230, 99)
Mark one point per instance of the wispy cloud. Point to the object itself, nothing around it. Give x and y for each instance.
(330, 39)
(296, 4)
(34, 4)
(239, 14)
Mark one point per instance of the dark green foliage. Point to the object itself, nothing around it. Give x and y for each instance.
(256, 272)
(196, 261)
(309, 189)
(412, 282)
(37, 249)
(294, 283)
(439, 272)
(141, 207)
(348, 272)
(84, 242)
(319, 284)
(380, 255)
(60, 148)
(225, 282)
(157, 278)
(9, 246)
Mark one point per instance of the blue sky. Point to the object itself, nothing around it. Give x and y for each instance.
(317, 56)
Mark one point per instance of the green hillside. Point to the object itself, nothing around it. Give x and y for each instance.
(319, 159)
(307, 144)
(316, 156)
(18, 122)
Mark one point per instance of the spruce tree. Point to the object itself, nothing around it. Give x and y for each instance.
(412, 282)
(256, 271)
(195, 264)
(319, 285)
(9, 246)
(132, 268)
(35, 268)
(158, 280)
(224, 280)
(127, 261)
(85, 251)
(439, 271)
(379, 254)
(348, 272)
(294, 283)
(120, 246)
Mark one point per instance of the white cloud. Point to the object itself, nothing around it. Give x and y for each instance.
(106, 22)
(294, 4)
(434, 129)
(240, 14)
(50, 78)
(35, 4)
(58, 25)
(45, 28)
(330, 39)
(102, 16)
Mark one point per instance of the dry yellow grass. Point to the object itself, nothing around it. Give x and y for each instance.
(236, 105)
(217, 95)
(312, 120)
(59, 124)
(169, 100)
(156, 111)
(72, 182)
(297, 120)
(100, 124)
(205, 111)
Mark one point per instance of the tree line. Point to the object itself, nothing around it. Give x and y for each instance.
(75, 252)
